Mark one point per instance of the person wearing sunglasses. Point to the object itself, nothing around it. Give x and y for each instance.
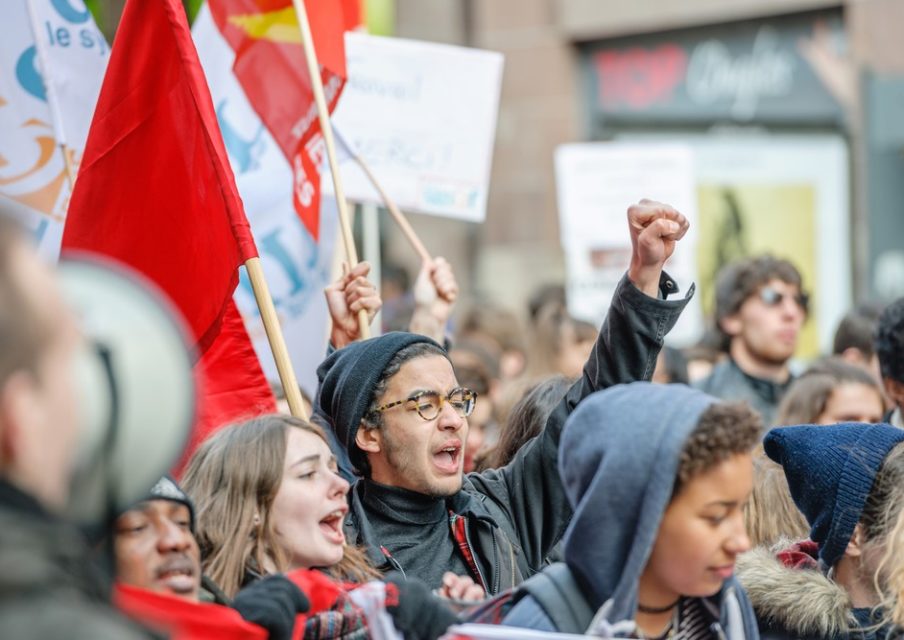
(760, 309)
(399, 410)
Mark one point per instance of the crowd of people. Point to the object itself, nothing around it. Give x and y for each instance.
(563, 478)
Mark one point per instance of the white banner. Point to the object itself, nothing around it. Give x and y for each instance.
(423, 116)
(50, 50)
(297, 268)
(596, 183)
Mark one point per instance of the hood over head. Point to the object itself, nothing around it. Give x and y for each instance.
(618, 460)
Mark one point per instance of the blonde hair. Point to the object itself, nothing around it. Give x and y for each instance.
(233, 478)
(892, 569)
(771, 515)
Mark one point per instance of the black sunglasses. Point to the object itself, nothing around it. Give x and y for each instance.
(772, 297)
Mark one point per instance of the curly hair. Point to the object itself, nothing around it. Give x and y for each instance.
(890, 341)
(725, 429)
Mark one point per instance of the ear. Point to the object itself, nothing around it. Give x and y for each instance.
(855, 546)
(731, 324)
(369, 440)
(894, 390)
(19, 407)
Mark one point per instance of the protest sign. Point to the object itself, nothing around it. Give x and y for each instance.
(423, 117)
(596, 182)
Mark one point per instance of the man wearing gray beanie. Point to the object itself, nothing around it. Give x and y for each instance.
(396, 406)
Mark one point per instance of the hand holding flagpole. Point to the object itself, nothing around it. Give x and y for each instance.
(307, 42)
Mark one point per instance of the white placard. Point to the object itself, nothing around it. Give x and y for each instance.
(596, 183)
(423, 116)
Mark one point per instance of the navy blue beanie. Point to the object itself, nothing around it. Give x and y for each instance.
(349, 375)
(830, 472)
(168, 489)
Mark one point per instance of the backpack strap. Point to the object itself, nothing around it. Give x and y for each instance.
(561, 597)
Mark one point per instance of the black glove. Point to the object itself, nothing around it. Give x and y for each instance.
(416, 612)
(272, 602)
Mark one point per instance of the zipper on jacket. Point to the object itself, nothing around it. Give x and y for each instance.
(495, 563)
(392, 561)
(453, 520)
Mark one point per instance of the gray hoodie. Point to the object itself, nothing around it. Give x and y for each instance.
(618, 460)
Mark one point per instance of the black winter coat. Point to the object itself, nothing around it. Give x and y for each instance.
(510, 519)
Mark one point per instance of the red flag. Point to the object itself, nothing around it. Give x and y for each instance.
(183, 619)
(156, 192)
(270, 66)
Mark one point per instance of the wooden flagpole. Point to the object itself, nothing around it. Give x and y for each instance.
(307, 42)
(397, 215)
(275, 338)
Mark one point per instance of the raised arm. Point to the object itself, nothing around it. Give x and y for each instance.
(529, 489)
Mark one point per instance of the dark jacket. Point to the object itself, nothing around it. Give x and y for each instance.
(620, 456)
(728, 382)
(48, 586)
(795, 600)
(507, 521)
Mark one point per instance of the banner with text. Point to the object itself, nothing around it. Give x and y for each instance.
(57, 42)
(296, 267)
(423, 116)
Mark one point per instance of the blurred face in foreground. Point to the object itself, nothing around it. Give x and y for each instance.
(155, 549)
(38, 405)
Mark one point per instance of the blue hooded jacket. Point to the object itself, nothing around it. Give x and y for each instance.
(618, 460)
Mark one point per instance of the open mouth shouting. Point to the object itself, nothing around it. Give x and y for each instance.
(448, 457)
(331, 526)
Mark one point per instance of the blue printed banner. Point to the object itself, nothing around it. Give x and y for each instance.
(296, 267)
(50, 49)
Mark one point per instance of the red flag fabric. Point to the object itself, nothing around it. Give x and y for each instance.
(270, 66)
(155, 191)
(181, 619)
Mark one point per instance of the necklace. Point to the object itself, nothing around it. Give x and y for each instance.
(654, 610)
(669, 632)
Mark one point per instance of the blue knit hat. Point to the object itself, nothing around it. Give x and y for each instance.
(830, 472)
(349, 375)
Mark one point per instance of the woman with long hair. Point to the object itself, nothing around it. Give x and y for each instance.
(269, 500)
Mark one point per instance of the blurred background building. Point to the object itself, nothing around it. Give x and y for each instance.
(744, 74)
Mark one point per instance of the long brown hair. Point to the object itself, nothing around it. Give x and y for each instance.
(233, 478)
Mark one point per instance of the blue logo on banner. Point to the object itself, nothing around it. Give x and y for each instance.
(301, 277)
(70, 13)
(29, 76)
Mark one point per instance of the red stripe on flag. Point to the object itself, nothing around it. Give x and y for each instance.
(155, 191)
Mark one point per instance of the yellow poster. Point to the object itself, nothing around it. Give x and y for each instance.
(739, 220)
